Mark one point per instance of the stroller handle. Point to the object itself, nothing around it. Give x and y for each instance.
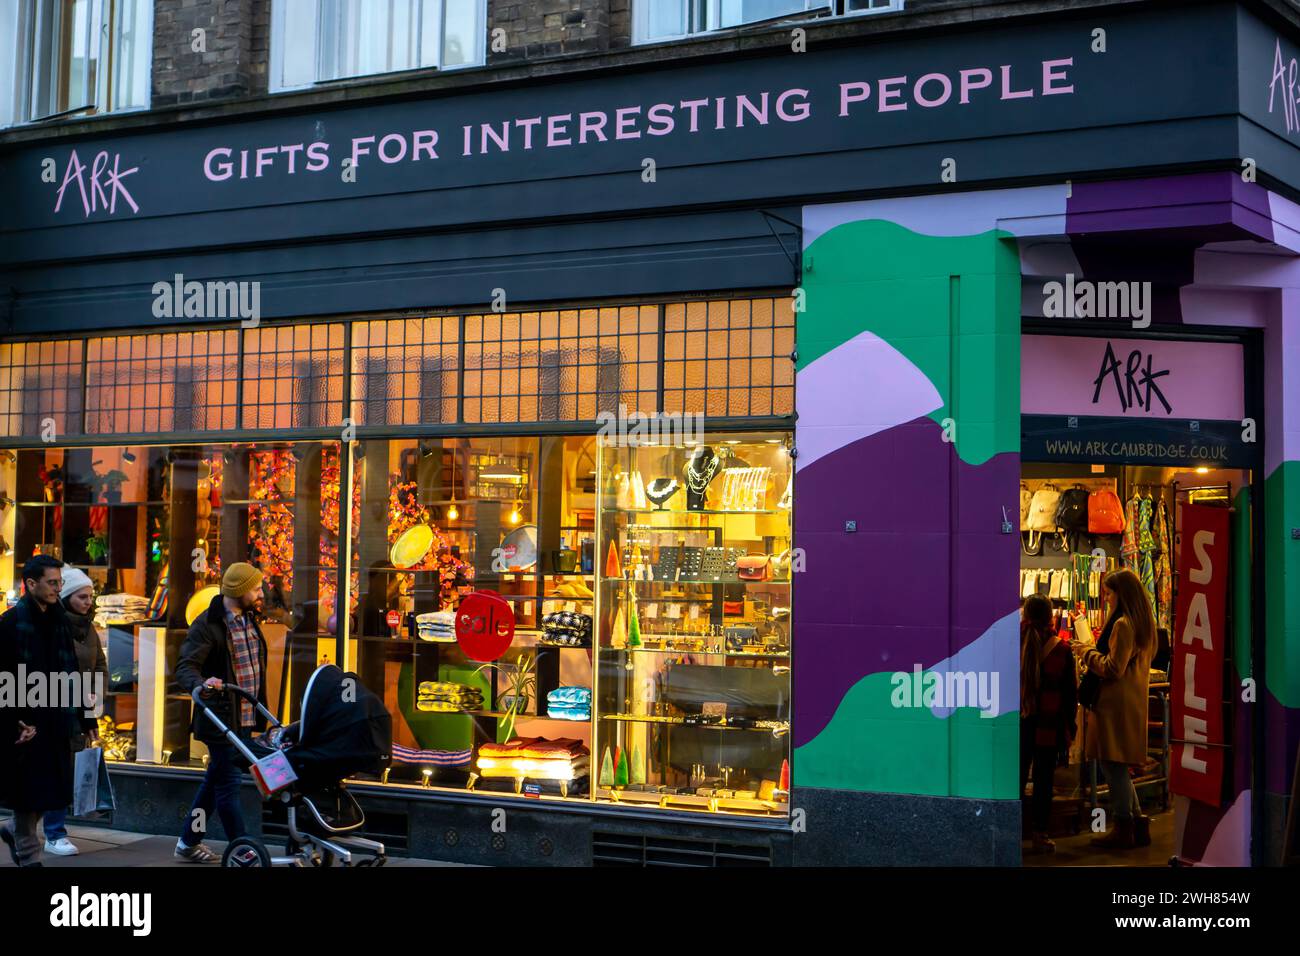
(197, 695)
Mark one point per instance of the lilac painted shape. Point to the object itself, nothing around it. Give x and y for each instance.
(995, 652)
(1229, 844)
(873, 612)
(857, 389)
(1286, 221)
(1029, 211)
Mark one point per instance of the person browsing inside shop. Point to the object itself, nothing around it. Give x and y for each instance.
(1048, 706)
(1114, 691)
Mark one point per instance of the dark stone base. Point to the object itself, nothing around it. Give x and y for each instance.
(467, 830)
(1274, 810)
(847, 828)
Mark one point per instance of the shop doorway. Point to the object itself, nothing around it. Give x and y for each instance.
(1079, 522)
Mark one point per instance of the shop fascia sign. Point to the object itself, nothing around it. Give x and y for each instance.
(1131, 378)
(410, 153)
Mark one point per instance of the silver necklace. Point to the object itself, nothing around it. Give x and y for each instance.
(697, 481)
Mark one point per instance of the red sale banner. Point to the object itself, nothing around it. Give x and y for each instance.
(1200, 633)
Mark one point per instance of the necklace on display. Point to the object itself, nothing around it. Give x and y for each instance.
(697, 479)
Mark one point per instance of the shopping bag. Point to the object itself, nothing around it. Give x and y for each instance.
(92, 790)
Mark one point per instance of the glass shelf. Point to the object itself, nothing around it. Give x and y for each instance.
(705, 511)
(633, 581)
(681, 722)
(682, 650)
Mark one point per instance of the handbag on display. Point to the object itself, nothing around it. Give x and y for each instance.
(753, 567)
(733, 608)
(1026, 500)
(1105, 513)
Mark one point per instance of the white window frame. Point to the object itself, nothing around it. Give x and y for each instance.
(276, 84)
(712, 10)
(27, 63)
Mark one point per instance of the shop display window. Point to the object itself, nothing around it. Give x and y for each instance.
(440, 518)
(694, 625)
(153, 526)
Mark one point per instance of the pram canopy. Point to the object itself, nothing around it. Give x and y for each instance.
(344, 730)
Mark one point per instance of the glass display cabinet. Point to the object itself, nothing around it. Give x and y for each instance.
(694, 624)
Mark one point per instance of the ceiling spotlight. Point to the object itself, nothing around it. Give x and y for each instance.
(128, 457)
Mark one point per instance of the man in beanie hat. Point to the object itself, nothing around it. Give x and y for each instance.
(224, 646)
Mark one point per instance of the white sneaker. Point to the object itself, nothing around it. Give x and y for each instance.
(61, 847)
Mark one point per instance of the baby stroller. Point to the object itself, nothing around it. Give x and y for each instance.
(344, 729)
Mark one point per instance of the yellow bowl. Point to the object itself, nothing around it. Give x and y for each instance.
(199, 603)
(412, 546)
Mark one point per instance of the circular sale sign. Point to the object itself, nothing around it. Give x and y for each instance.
(485, 625)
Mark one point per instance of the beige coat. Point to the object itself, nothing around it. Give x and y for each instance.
(1117, 729)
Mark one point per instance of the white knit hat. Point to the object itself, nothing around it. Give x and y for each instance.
(74, 579)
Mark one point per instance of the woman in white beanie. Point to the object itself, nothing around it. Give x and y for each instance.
(78, 597)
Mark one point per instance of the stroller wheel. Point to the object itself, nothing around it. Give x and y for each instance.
(246, 852)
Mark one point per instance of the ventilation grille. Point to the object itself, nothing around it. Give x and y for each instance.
(629, 849)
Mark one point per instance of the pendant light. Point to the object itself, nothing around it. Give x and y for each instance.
(453, 513)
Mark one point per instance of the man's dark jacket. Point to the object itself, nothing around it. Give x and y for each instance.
(37, 775)
(209, 652)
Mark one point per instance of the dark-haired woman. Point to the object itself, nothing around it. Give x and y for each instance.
(1116, 723)
(1047, 711)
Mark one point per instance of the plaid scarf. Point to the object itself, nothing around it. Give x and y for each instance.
(248, 663)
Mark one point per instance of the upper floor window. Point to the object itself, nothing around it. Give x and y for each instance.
(73, 57)
(657, 20)
(313, 41)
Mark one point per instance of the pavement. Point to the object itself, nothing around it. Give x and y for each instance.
(105, 847)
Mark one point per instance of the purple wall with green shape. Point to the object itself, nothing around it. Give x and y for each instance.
(907, 387)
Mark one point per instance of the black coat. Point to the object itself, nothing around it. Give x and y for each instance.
(208, 652)
(37, 775)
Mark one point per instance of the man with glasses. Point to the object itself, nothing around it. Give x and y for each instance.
(36, 742)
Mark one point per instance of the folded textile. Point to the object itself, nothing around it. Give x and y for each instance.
(558, 638)
(567, 621)
(536, 747)
(437, 618)
(445, 707)
(576, 713)
(569, 695)
(445, 687)
(439, 758)
(121, 600)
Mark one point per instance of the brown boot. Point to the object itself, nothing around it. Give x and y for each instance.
(1120, 838)
(1141, 830)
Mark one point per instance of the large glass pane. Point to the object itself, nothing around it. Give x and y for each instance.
(440, 518)
(693, 623)
(13, 53)
(153, 528)
(66, 56)
(665, 19)
(361, 37)
(295, 43)
(133, 56)
(463, 36)
(734, 12)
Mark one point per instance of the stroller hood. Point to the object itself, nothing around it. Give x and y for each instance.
(344, 729)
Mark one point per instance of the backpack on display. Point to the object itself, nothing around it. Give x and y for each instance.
(1072, 511)
(1105, 513)
(1042, 509)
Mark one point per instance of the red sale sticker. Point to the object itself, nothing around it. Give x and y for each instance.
(485, 625)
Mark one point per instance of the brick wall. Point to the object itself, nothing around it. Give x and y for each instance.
(536, 28)
(234, 62)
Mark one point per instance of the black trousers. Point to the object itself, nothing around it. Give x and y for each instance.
(1043, 762)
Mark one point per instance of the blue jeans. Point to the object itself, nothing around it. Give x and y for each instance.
(219, 791)
(56, 824)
